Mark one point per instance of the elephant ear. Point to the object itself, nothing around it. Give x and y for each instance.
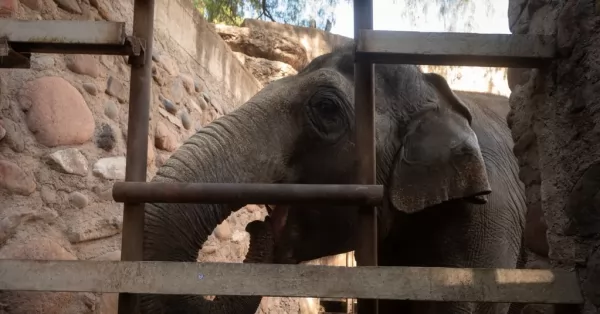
(440, 158)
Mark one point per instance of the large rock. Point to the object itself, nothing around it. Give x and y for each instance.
(69, 160)
(265, 70)
(70, 6)
(116, 88)
(95, 228)
(314, 40)
(14, 179)
(516, 76)
(559, 106)
(111, 168)
(164, 138)
(8, 7)
(14, 135)
(83, 64)
(263, 43)
(47, 248)
(56, 112)
(33, 4)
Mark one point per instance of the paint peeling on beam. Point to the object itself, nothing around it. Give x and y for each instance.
(247, 193)
(460, 49)
(399, 283)
(65, 36)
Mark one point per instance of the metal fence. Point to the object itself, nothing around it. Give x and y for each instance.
(18, 39)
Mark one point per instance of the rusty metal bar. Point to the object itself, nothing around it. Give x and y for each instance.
(137, 140)
(279, 280)
(58, 48)
(366, 250)
(466, 49)
(247, 193)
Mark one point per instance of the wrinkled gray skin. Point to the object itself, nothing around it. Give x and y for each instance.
(439, 155)
(260, 250)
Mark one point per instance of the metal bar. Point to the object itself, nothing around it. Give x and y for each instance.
(61, 48)
(397, 283)
(366, 251)
(466, 49)
(15, 60)
(137, 140)
(246, 193)
(64, 36)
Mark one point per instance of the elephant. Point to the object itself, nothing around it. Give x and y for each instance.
(260, 250)
(452, 196)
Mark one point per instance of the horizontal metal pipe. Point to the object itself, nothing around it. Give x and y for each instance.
(62, 48)
(248, 193)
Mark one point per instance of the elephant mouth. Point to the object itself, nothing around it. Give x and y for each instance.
(283, 250)
(278, 217)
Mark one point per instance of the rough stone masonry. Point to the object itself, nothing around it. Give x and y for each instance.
(554, 120)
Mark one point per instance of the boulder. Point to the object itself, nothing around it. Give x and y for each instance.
(263, 43)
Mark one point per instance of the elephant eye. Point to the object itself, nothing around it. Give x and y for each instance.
(325, 112)
(327, 108)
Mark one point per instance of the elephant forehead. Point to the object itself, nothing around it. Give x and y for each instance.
(327, 76)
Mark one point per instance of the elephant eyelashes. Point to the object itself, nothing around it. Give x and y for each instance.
(325, 114)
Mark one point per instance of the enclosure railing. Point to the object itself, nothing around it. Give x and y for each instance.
(131, 276)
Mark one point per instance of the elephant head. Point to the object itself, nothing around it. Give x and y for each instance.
(300, 129)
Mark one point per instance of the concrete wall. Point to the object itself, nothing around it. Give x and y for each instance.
(179, 22)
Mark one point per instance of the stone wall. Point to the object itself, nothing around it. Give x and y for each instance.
(554, 120)
(195, 41)
(63, 128)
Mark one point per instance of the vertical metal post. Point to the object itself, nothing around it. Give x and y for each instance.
(137, 141)
(366, 251)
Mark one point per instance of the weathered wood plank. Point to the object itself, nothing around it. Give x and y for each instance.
(410, 283)
(466, 49)
(65, 36)
(63, 31)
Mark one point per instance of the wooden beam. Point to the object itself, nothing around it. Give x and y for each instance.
(63, 31)
(65, 36)
(463, 49)
(402, 283)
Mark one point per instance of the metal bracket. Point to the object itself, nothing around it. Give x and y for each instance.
(137, 50)
(12, 59)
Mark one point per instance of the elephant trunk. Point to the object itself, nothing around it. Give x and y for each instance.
(229, 150)
(260, 251)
